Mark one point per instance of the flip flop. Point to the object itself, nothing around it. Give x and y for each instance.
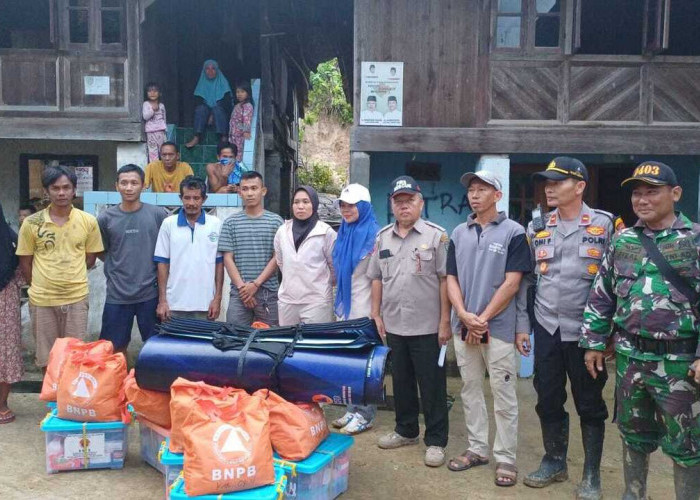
(6, 416)
(506, 474)
(465, 461)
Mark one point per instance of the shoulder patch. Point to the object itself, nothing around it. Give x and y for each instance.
(444, 238)
(432, 224)
(619, 224)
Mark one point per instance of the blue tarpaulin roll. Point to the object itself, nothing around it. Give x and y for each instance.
(340, 375)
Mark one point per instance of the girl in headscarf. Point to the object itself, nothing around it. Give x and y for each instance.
(354, 245)
(304, 254)
(213, 93)
(11, 366)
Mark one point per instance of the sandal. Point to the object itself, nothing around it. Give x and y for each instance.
(465, 461)
(6, 417)
(506, 474)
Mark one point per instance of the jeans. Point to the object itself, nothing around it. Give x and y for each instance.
(117, 320)
(201, 116)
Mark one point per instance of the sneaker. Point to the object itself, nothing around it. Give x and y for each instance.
(395, 440)
(434, 456)
(341, 422)
(356, 425)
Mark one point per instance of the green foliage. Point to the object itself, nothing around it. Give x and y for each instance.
(322, 177)
(326, 97)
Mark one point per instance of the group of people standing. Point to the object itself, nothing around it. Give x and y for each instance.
(575, 277)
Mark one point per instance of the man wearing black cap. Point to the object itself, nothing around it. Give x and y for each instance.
(568, 247)
(647, 292)
(410, 307)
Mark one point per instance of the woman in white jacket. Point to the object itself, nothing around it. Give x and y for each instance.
(304, 254)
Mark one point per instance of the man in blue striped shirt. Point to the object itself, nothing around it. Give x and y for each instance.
(247, 243)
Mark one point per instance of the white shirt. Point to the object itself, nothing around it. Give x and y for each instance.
(372, 117)
(361, 290)
(392, 118)
(191, 253)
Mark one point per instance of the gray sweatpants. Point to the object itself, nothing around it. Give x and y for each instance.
(265, 309)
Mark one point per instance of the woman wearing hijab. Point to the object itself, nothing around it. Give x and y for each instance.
(213, 93)
(351, 253)
(304, 254)
(11, 366)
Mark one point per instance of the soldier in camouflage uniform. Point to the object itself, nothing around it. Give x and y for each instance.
(656, 334)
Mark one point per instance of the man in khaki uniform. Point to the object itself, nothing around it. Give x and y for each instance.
(411, 308)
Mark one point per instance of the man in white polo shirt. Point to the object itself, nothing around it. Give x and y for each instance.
(190, 270)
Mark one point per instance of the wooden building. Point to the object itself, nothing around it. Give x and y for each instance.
(516, 82)
(72, 74)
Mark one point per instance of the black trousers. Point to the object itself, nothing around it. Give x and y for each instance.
(414, 360)
(554, 360)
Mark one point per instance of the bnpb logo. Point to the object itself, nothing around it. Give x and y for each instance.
(232, 444)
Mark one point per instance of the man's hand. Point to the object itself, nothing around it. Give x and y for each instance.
(250, 304)
(694, 371)
(595, 362)
(522, 343)
(380, 325)
(246, 135)
(163, 311)
(473, 338)
(247, 291)
(444, 332)
(214, 308)
(474, 323)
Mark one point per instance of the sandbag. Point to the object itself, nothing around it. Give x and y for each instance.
(183, 394)
(227, 446)
(60, 351)
(152, 405)
(91, 388)
(295, 429)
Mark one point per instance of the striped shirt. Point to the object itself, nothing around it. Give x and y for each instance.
(251, 239)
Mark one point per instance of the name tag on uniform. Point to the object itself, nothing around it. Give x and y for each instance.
(385, 254)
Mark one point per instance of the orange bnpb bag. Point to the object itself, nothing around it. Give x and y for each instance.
(60, 351)
(227, 447)
(183, 393)
(296, 430)
(91, 388)
(152, 405)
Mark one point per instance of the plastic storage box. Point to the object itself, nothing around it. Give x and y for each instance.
(152, 437)
(81, 445)
(324, 474)
(270, 492)
(172, 465)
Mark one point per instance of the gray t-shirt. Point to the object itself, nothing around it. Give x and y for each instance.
(251, 240)
(130, 239)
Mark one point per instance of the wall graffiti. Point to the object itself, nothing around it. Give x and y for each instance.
(443, 202)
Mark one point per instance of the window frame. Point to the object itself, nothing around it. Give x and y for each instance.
(94, 43)
(528, 24)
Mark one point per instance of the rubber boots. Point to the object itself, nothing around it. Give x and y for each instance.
(636, 467)
(555, 437)
(593, 436)
(687, 481)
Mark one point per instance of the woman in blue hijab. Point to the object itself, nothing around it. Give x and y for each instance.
(213, 94)
(351, 253)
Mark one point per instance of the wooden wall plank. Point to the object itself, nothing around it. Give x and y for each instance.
(106, 129)
(555, 140)
(676, 94)
(605, 93)
(524, 93)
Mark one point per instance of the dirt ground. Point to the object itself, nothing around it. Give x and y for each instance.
(374, 473)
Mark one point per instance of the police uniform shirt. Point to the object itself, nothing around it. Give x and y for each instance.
(566, 261)
(410, 269)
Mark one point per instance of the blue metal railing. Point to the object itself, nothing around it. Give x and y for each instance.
(94, 198)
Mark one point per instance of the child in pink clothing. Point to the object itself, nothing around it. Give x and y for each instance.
(153, 112)
(241, 118)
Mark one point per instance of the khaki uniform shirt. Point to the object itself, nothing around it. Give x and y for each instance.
(410, 269)
(565, 265)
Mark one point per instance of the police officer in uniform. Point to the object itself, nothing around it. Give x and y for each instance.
(567, 247)
(647, 293)
(410, 307)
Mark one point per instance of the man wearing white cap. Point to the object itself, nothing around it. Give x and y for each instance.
(486, 259)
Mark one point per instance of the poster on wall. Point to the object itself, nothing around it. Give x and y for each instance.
(96, 85)
(85, 182)
(381, 94)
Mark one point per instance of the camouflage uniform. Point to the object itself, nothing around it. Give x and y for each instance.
(656, 400)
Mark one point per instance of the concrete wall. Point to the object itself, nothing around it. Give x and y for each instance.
(11, 149)
(445, 200)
